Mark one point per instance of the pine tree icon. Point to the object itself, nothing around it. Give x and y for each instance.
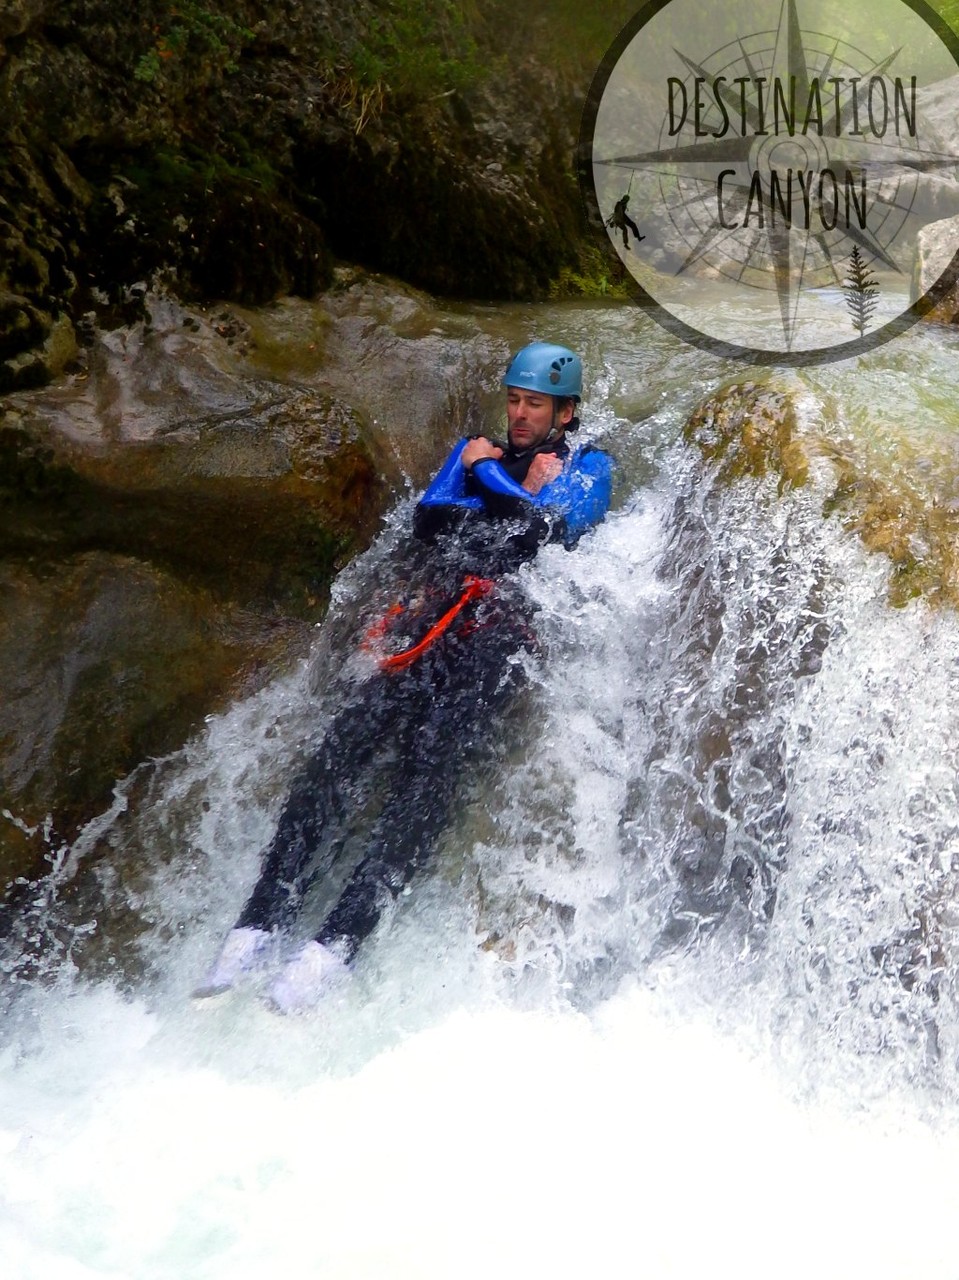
(862, 292)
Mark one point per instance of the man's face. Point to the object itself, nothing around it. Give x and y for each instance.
(530, 415)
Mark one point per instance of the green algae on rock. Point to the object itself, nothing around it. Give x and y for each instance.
(753, 430)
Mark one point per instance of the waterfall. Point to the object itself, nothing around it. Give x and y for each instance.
(674, 997)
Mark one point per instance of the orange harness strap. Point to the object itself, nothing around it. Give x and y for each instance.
(473, 588)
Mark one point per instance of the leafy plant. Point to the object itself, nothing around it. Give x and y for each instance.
(590, 278)
(862, 292)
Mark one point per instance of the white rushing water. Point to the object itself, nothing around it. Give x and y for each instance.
(675, 999)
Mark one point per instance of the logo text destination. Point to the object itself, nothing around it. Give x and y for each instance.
(775, 103)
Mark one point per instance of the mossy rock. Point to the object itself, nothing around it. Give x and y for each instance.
(751, 429)
(22, 326)
(895, 520)
(229, 234)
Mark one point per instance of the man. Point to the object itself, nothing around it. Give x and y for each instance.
(621, 220)
(403, 738)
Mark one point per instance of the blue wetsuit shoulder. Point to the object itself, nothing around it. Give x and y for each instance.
(581, 494)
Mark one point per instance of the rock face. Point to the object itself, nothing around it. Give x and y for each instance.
(937, 202)
(936, 245)
(144, 650)
(752, 430)
(238, 147)
(169, 526)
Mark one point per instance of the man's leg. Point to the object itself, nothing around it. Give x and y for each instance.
(311, 829)
(312, 817)
(402, 841)
(459, 723)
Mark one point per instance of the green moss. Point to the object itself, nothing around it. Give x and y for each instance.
(948, 9)
(163, 175)
(566, 34)
(421, 49)
(407, 51)
(594, 276)
(750, 429)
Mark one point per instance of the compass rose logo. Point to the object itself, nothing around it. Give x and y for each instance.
(775, 177)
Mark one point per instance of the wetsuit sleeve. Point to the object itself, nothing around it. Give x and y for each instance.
(562, 511)
(446, 495)
(447, 484)
(500, 493)
(489, 486)
(573, 503)
(581, 495)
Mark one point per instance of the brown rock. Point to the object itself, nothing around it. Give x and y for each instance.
(751, 429)
(104, 661)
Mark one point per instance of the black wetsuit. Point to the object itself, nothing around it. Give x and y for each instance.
(399, 747)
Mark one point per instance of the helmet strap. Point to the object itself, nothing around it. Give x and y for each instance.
(552, 423)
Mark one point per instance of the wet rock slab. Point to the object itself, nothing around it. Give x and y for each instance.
(169, 526)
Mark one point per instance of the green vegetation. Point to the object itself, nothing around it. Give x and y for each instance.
(596, 276)
(417, 50)
(406, 51)
(889, 25)
(168, 174)
(948, 9)
(565, 33)
(194, 34)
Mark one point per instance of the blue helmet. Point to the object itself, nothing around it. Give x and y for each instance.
(545, 367)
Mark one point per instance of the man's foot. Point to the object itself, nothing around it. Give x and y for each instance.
(244, 949)
(313, 971)
(638, 238)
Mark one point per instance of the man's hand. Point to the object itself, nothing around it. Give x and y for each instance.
(543, 470)
(480, 448)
